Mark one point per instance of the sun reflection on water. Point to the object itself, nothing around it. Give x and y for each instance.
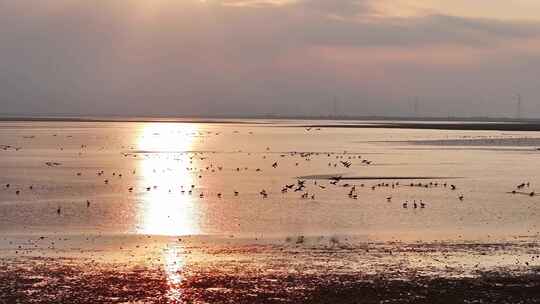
(167, 208)
(174, 266)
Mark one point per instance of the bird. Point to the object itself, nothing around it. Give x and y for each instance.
(346, 164)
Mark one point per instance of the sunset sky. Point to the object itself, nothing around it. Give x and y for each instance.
(186, 57)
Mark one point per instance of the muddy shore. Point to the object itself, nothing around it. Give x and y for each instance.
(100, 284)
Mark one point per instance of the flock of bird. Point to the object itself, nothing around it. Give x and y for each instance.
(300, 185)
(344, 160)
(202, 164)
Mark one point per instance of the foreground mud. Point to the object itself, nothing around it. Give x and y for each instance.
(375, 273)
(70, 284)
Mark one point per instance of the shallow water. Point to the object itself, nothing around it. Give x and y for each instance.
(169, 158)
(111, 201)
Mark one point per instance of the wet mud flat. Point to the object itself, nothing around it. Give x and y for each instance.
(277, 274)
(70, 284)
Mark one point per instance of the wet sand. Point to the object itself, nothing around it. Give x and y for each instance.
(72, 284)
(160, 270)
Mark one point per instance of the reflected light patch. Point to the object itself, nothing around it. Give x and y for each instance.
(164, 210)
(174, 266)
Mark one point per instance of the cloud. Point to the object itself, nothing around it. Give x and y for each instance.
(340, 8)
(239, 56)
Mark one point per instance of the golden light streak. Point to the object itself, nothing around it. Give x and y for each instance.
(174, 267)
(165, 210)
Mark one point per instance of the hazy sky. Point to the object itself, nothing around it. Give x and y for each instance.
(186, 57)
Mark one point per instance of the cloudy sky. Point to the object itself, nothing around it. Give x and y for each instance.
(188, 57)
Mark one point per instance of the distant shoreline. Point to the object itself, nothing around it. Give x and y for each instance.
(495, 124)
(121, 119)
(467, 126)
(225, 117)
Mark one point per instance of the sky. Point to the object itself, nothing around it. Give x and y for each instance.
(280, 57)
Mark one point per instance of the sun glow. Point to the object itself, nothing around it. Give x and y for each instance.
(166, 207)
(150, 11)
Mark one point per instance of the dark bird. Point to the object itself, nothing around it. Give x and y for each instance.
(346, 164)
